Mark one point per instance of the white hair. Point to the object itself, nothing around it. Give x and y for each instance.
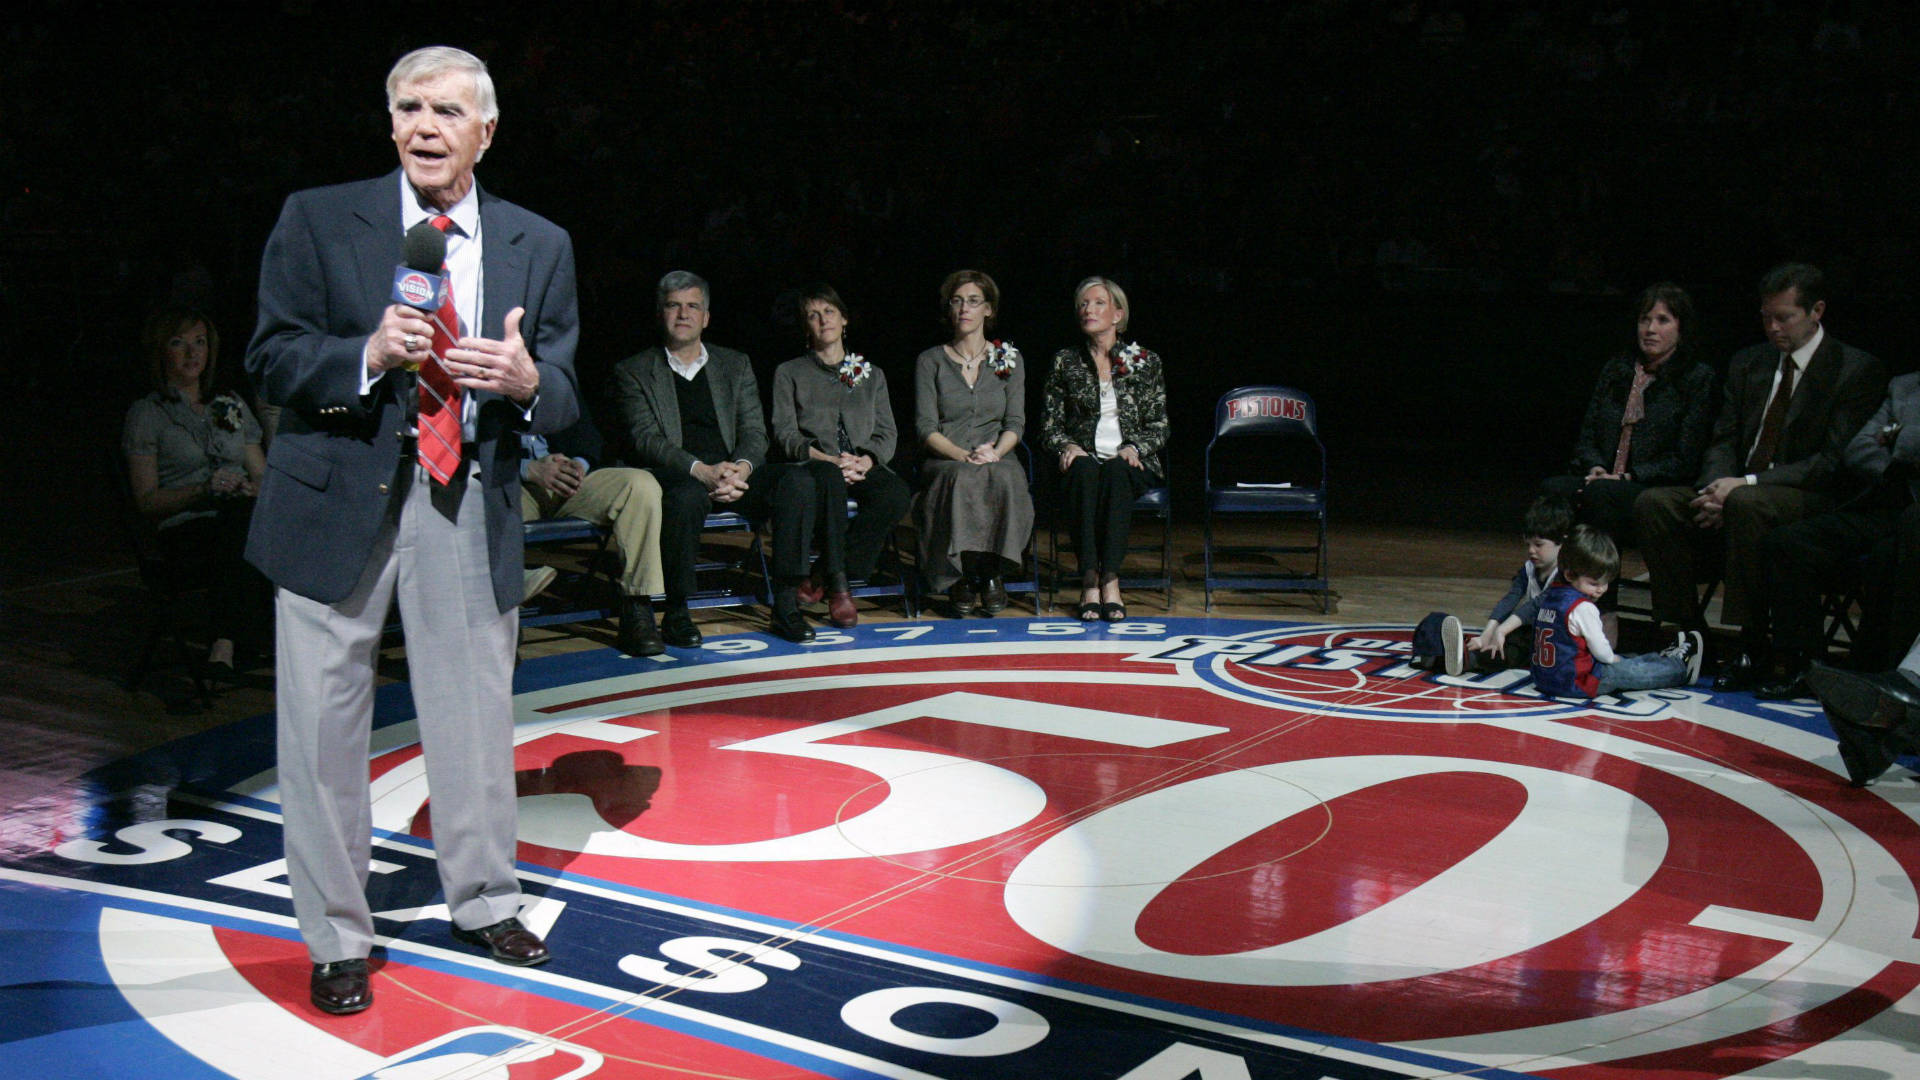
(436, 59)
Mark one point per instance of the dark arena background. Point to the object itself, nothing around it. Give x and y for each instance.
(1432, 217)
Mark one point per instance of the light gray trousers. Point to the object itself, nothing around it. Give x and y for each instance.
(460, 652)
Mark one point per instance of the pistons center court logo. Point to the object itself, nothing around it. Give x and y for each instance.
(1033, 848)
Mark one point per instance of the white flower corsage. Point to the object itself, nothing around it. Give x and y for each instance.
(224, 411)
(1002, 357)
(1124, 357)
(854, 369)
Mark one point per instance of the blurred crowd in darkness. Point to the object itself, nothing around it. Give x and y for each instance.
(1233, 164)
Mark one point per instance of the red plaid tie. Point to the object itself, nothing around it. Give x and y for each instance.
(439, 420)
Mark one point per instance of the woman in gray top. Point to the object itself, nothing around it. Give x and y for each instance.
(832, 416)
(970, 411)
(194, 464)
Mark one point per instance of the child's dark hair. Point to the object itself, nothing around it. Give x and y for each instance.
(1589, 552)
(1551, 517)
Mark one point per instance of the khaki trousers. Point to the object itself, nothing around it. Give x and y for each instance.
(625, 501)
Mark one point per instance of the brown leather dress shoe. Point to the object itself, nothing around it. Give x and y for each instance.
(810, 591)
(340, 987)
(840, 610)
(508, 941)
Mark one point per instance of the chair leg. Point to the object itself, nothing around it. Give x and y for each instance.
(1053, 561)
(1166, 556)
(1320, 570)
(144, 664)
(1206, 559)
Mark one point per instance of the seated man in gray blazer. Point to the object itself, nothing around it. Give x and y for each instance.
(1790, 406)
(692, 414)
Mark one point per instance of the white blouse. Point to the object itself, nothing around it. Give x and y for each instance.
(1106, 437)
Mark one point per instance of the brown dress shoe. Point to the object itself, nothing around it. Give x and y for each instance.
(840, 610)
(810, 591)
(508, 941)
(340, 987)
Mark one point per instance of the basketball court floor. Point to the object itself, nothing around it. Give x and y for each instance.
(1164, 849)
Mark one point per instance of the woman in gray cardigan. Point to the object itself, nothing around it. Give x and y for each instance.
(832, 416)
(970, 411)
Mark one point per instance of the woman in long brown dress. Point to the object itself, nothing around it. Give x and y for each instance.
(974, 513)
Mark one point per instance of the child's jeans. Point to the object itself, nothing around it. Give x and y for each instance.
(1648, 671)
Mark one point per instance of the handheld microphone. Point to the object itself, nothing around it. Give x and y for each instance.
(418, 283)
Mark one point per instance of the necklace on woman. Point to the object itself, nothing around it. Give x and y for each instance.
(965, 360)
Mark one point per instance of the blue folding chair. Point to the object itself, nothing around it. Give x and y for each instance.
(1029, 580)
(1254, 428)
(574, 599)
(736, 584)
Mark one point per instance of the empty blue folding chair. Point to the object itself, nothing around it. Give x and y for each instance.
(1266, 459)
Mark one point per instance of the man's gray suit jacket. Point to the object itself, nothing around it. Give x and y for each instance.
(643, 388)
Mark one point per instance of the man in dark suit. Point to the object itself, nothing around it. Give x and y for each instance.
(1882, 522)
(1789, 408)
(692, 414)
(379, 487)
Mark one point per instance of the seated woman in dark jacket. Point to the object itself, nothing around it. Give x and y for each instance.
(1648, 422)
(832, 416)
(1106, 419)
(194, 464)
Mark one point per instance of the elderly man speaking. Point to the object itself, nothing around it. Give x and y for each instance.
(385, 484)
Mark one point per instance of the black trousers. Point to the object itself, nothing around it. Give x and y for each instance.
(1606, 505)
(782, 494)
(1814, 556)
(1099, 499)
(209, 552)
(853, 547)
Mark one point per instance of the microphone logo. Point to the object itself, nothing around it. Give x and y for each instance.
(418, 289)
(414, 288)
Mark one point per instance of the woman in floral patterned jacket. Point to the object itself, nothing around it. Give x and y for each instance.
(1106, 420)
(194, 464)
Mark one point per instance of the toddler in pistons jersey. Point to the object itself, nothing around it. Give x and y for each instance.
(1571, 655)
